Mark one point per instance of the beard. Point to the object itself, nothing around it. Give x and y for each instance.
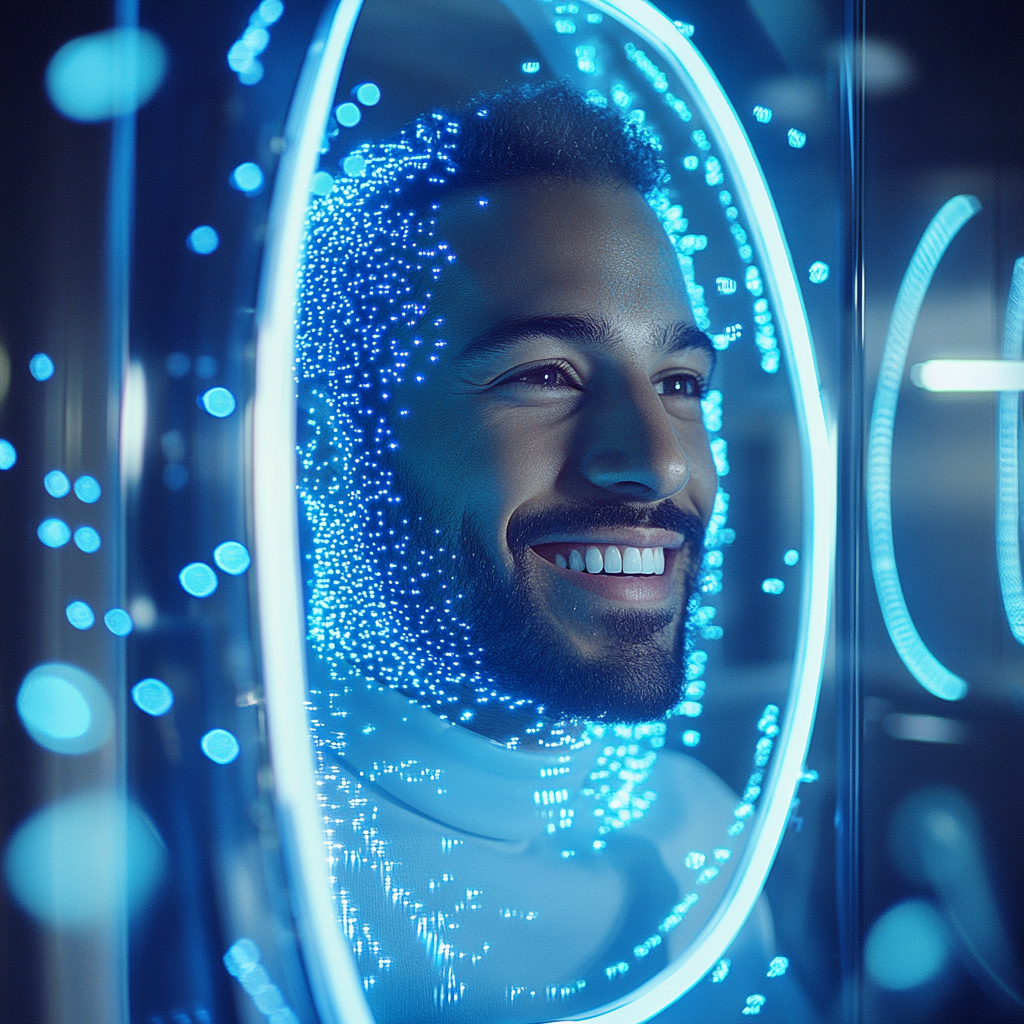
(525, 653)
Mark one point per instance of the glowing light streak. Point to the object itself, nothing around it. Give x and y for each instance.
(970, 375)
(922, 664)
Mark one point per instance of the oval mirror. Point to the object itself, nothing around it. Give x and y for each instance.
(543, 520)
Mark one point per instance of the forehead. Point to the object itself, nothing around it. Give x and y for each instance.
(546, 246)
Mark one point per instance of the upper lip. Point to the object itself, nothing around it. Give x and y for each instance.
(624, 537)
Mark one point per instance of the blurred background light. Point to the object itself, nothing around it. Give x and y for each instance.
(56, 483)
(87, 489)
(198, 579)
(219, 746)
(908, 946)
(41, 366)
(153, 696)
(232, 557)
(64, 708)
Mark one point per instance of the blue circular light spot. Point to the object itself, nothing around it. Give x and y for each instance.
(54, 533)
(56, 483)
(691, 737)
(907, 946)
(791, 557)
(270, 11)
(247, 178)
(88, 489)
(691, 163)
(198, 579)
(153, 696)
(796, 138)
(87, 540)
(232, 557)
(119, 622)
(348, 115)
(773, 586)
(54, 707)
(354, 165)
(203, 240)
(8, 455)
(368, 94)
(41, 366)
(818, 272)
(218, 402)
(80, 615)
(220, 746)
(321, 184)
(251, 73)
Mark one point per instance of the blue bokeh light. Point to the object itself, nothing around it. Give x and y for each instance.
(54, 533)
(203, 240)
(198, 579)
(80, 615)
(56, 483)
(907, 946)
(762, 114)
(220, 746)
(218, 402)
(118, 621)
(87, 489)
(531, 67)
(41, 366)
(321, 183)
(64, 708)
(348, 115)
(791, 557)
(153, 696)
(818, 272)
(247, 178)
(87, 540)
(8, 454)
(368, 94)
(773, 586)
(232, 557)
(354, 165)
(797, 139)
(270, 10)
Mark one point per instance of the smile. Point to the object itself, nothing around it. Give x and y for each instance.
(610, 559)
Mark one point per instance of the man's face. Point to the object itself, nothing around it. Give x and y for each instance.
(555, 444)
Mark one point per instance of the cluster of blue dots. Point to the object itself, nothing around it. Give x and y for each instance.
(199, 579)
(243, 963)
(243, 57)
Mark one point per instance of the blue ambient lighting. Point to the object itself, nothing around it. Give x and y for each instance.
(907, 946)
(41, 366)
(368, 94)
(1008, 449)
(220, 746)
(56, 483)
(818, 272)
(247, 178)
(80, 615)
(797, 139)
(206, 367)
(8, 455)
(54, 533)
(348, 115)
(198, 579)
(118, 621)
(177, 364)
(762, 114)
(87, 540)
(218, 402)
(243, 962)
(773, 586)
(203, 240)
(175, 476)
(791, 557)
(153, 696)
(64, 708)
(106, 74)
(87, 489)
(232, 557)
(922, 664)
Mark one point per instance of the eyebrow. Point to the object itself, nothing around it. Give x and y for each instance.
(578, 330)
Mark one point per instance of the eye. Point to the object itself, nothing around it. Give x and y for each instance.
(681, 385)
(555, 376)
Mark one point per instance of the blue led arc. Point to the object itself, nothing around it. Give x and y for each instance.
(1008, 463)
(923, 665)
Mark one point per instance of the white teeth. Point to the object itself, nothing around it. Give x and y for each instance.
(631, 561)
(561, 562)
(659, 561)
(595, 560)
(576, 562)
(647, 562)
(613, 560)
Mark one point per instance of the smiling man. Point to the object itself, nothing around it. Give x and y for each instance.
(506, 481)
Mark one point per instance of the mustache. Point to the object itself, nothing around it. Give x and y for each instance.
(529, 525)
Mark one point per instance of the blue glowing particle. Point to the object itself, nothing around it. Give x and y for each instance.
(87, 489)
(368, 94)
(685, 28)
(818, 272)
(251, 73)
(565, 26)
(725, 285)
(80, 615)
(242, 955)
(106, 74)
(218, 402)
(270, 10)
(203, 240)
(754, 1005)
(691, 738)
(778, 967)
(700, 137)
(8, 455)
(118, 621)
(87, 540)
(41, 366)
(321, 183)
(354, 165)
(531, 67)
(56, 483)
(153, 696)
(773, 586)
(691, 163)
(762, 114)
(348, 115)
(586, 59)
(232, 557)
(907, 946)
(247, 178)
(54, 533)
(220, 746)
(177, 364)
(53, 706)
(791, 557)
(797, 139)
(198, 579)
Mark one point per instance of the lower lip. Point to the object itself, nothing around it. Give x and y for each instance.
(627, 589)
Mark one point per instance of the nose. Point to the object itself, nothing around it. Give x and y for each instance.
(630, 447)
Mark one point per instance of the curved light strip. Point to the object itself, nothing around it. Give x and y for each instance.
(334, 978)
(819, 495)
(1008, 465)
(923, 665)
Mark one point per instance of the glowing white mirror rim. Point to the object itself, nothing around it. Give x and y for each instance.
(334, 976)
